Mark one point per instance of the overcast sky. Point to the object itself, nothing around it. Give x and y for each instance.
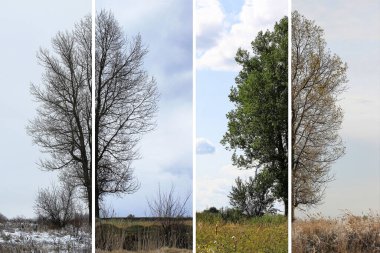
(222, 27)
(166, 29)
(25, 27)
(352, 31)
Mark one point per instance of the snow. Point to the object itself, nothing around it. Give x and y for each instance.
(49, 240)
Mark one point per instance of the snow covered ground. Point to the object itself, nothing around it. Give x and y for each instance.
(25, 239)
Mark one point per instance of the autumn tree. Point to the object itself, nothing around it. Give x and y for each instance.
(62, 127)
(258, 126)
(125, 104)
(318, 78)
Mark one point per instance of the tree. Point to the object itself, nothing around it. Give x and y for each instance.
(170, 211)
(62, 127)
(125, 104)
(57, 205)
(318, 78)
(253, 197)
(257, 127)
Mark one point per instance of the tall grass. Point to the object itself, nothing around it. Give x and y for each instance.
(141, 236)
(259, 234)
(349, 233)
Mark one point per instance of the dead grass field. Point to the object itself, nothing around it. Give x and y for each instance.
(120, 235)
(347, 234)
(162, 250)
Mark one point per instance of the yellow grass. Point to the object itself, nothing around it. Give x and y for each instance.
(349, 233)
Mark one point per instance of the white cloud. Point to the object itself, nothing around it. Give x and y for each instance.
(210, 18)
(204, 146)
(213, 190)
(254, 16)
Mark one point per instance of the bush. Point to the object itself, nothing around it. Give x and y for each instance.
(3, 218)
(56, 205)
(232, 215)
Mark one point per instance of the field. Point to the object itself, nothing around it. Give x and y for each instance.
(349, 233)
(29, 236)
(161, 235)
(265, 234)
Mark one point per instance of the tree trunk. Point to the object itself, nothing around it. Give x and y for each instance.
(97, 209)
(89, 199)
(286, 206)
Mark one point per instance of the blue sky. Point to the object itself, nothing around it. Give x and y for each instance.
(166, 29)
(25, 27)
(221, 28)
(352, 31)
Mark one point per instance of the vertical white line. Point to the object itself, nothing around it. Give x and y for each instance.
(194, 128)
(289, 126)
(93, 13)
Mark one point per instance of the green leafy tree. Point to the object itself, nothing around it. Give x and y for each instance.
(258, 126)
(253, 197)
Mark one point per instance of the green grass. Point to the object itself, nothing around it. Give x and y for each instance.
(265, 234)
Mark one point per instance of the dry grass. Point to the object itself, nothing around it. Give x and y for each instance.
(162, 250)
(143, 235)
(349, 233)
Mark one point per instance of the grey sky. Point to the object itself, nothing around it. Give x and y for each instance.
(25, 26)
(352, 31)
(166, 28)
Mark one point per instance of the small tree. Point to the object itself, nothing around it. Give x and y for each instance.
(56, 205)
(169, 209)
(253, 197)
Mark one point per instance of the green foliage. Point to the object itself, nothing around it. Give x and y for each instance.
(232, 215)
(258, 126)
(253, 197)
(212, 210)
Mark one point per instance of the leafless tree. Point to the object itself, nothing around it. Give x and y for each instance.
(57, 205)
(169, 210)
(62, 127)
(125, 104)
(318, 78)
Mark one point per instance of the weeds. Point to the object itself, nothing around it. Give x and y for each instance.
(349, 233)
(260, 234)
(142, 235)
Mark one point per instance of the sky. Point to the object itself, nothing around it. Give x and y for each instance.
(166, 153)
(25, 27)
(221, 28)
(352, 31)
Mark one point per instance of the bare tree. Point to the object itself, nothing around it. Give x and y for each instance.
(57, 205)
(126, 102)
(318, 78)
(62, 127)
(169, 210)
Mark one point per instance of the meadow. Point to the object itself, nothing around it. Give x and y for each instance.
(161, 235)
(346, 234)
(265, 234)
